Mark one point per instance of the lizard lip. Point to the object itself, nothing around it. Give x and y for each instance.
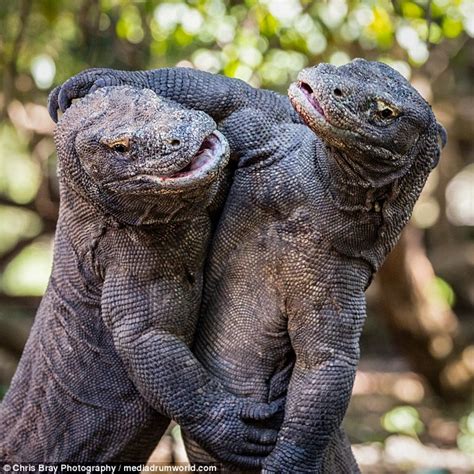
(308, 92)
(208, 153)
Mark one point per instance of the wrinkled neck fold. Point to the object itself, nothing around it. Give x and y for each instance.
(351, 188)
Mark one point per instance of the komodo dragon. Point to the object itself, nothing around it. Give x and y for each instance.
(309, 219)
(107, 362)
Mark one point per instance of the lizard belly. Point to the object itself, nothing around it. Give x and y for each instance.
(242, 336)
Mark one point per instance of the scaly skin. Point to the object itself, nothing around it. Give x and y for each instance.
(301, 235)
(107, 363)
(308, 221)
(216, 95)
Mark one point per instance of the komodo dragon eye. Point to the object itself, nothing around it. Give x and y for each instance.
(386, 111)
(121, 146)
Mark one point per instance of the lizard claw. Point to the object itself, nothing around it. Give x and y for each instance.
(63, 100)
(255, 449)
(53, 103)
(263, 437)
(89, 81)
(78, 86)
(101, 82)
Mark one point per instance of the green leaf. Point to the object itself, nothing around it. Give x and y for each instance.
(403, 419)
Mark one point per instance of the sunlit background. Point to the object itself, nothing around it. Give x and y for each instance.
(413, 398)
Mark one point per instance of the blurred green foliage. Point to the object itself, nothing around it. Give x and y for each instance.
(466, 436)
(263, 42)
(440, 288)
(29, 272)
(20, 176)
(44, 42)
(404, 420)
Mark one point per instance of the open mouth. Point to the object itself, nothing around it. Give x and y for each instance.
(206, 157)
(309, 94)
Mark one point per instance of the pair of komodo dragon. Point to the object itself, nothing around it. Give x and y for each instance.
(289, 232)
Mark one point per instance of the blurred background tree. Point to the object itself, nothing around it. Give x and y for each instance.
(417, 347)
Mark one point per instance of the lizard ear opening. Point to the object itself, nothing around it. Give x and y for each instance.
(442, 139)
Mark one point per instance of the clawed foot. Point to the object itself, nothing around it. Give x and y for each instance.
(237, 432)
(87, 82)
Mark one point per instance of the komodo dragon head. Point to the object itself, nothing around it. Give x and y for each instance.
(371, 115)
(137, 156)
(382, 140)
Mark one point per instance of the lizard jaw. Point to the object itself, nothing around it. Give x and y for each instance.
(207, 156)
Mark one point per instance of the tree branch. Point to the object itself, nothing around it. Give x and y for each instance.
(429, 21)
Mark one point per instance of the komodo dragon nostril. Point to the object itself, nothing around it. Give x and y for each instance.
(338, 92)
(175, 142)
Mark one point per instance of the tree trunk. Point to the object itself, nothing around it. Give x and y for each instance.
(420, 320)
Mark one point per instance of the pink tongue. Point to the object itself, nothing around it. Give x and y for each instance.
(308, 92)
(316, 105)
(199, 161)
